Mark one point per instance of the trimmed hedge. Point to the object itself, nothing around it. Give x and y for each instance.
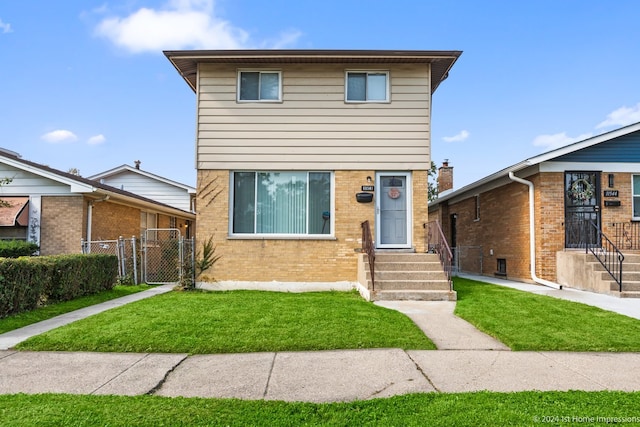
(27, 282)
(17, 248)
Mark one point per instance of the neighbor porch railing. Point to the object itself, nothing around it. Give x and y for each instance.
(626, 235)
(437, 243)
(369, 249)
(605, 251)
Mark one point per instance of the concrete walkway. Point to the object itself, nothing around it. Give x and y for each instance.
(467, 360)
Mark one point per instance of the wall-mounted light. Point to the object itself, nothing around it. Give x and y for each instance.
(368, 179)
(611, 180)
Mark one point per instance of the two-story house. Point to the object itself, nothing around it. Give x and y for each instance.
(295, 149)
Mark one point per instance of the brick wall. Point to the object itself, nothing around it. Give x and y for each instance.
(302, 260)
(62, 224)
(112, 220)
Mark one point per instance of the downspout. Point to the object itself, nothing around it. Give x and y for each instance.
(90, 216)
(532, 233)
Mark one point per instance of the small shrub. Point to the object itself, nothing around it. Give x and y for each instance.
(17, 248)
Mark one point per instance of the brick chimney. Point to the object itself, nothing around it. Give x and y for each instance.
(445, 177)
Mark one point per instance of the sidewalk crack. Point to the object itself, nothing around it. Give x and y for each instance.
(164, 378)
(266, 387)
(424, 374)
(121, 373)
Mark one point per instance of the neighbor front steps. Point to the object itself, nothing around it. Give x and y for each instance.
(407, 276)
(630, 276)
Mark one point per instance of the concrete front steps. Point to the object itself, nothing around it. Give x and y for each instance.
(406, 276)
(630, 277)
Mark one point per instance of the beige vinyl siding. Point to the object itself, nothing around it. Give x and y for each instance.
(313, 128)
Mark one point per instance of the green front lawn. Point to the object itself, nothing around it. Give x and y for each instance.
(237, 322)
(43, 313)
(526, 321)
(430, 409)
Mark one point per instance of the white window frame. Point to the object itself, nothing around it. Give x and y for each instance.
(260, 71)
(633, 196)
(366, 101)
(329, 236)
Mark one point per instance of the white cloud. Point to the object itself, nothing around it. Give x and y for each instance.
(460, 136)
(180, 24)
(4, 27)
(621, 117)
(96, 140)
(59, 135)
(557, 140)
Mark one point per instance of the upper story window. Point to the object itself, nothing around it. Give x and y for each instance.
(367, 86)
(259, 86)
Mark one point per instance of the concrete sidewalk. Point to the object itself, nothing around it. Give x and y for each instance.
(466, 360)
(323, 376)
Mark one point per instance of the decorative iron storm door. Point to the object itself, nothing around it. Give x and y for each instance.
(581, 209)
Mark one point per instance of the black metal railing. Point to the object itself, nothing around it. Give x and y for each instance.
(437, 243)
(606, 252)
(626, 235)
(369, 249)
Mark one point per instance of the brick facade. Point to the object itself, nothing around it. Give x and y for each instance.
(296, 260)
(503, 226)
(61, 224)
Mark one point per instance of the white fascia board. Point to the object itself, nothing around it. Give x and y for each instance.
(74, 186)
(631, 167)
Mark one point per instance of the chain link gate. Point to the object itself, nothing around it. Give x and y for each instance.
(167, 257)
(125, 249)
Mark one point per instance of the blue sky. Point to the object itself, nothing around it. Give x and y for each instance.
(84, 84)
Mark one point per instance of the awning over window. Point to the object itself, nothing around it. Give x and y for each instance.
(14, 211)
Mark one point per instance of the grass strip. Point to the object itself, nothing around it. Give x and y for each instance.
(432, 409)
(237, 322)
(526, 321)
(47, 312)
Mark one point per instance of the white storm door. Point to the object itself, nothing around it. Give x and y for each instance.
(393, 210)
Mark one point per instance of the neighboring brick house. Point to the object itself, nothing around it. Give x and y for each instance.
(58, 210)
(287, 139)
(595, 180)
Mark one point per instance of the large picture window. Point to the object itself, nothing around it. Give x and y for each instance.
(285, 203)
(364, 86)
(259, 86)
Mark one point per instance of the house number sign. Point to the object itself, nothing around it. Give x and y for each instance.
(367, 188)
(610, 193)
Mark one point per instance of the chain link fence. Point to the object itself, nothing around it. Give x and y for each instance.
(159, 256)
(468, 259)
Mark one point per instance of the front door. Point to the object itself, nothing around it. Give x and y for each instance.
(393, 210)
(581, 208)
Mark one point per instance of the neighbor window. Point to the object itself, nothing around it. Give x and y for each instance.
(149, 220)
(477, 207)
(365, 86)
(259, 85)
(636, 197)
(281, 203)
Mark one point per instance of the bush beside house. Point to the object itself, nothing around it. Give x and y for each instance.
(27, 282)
